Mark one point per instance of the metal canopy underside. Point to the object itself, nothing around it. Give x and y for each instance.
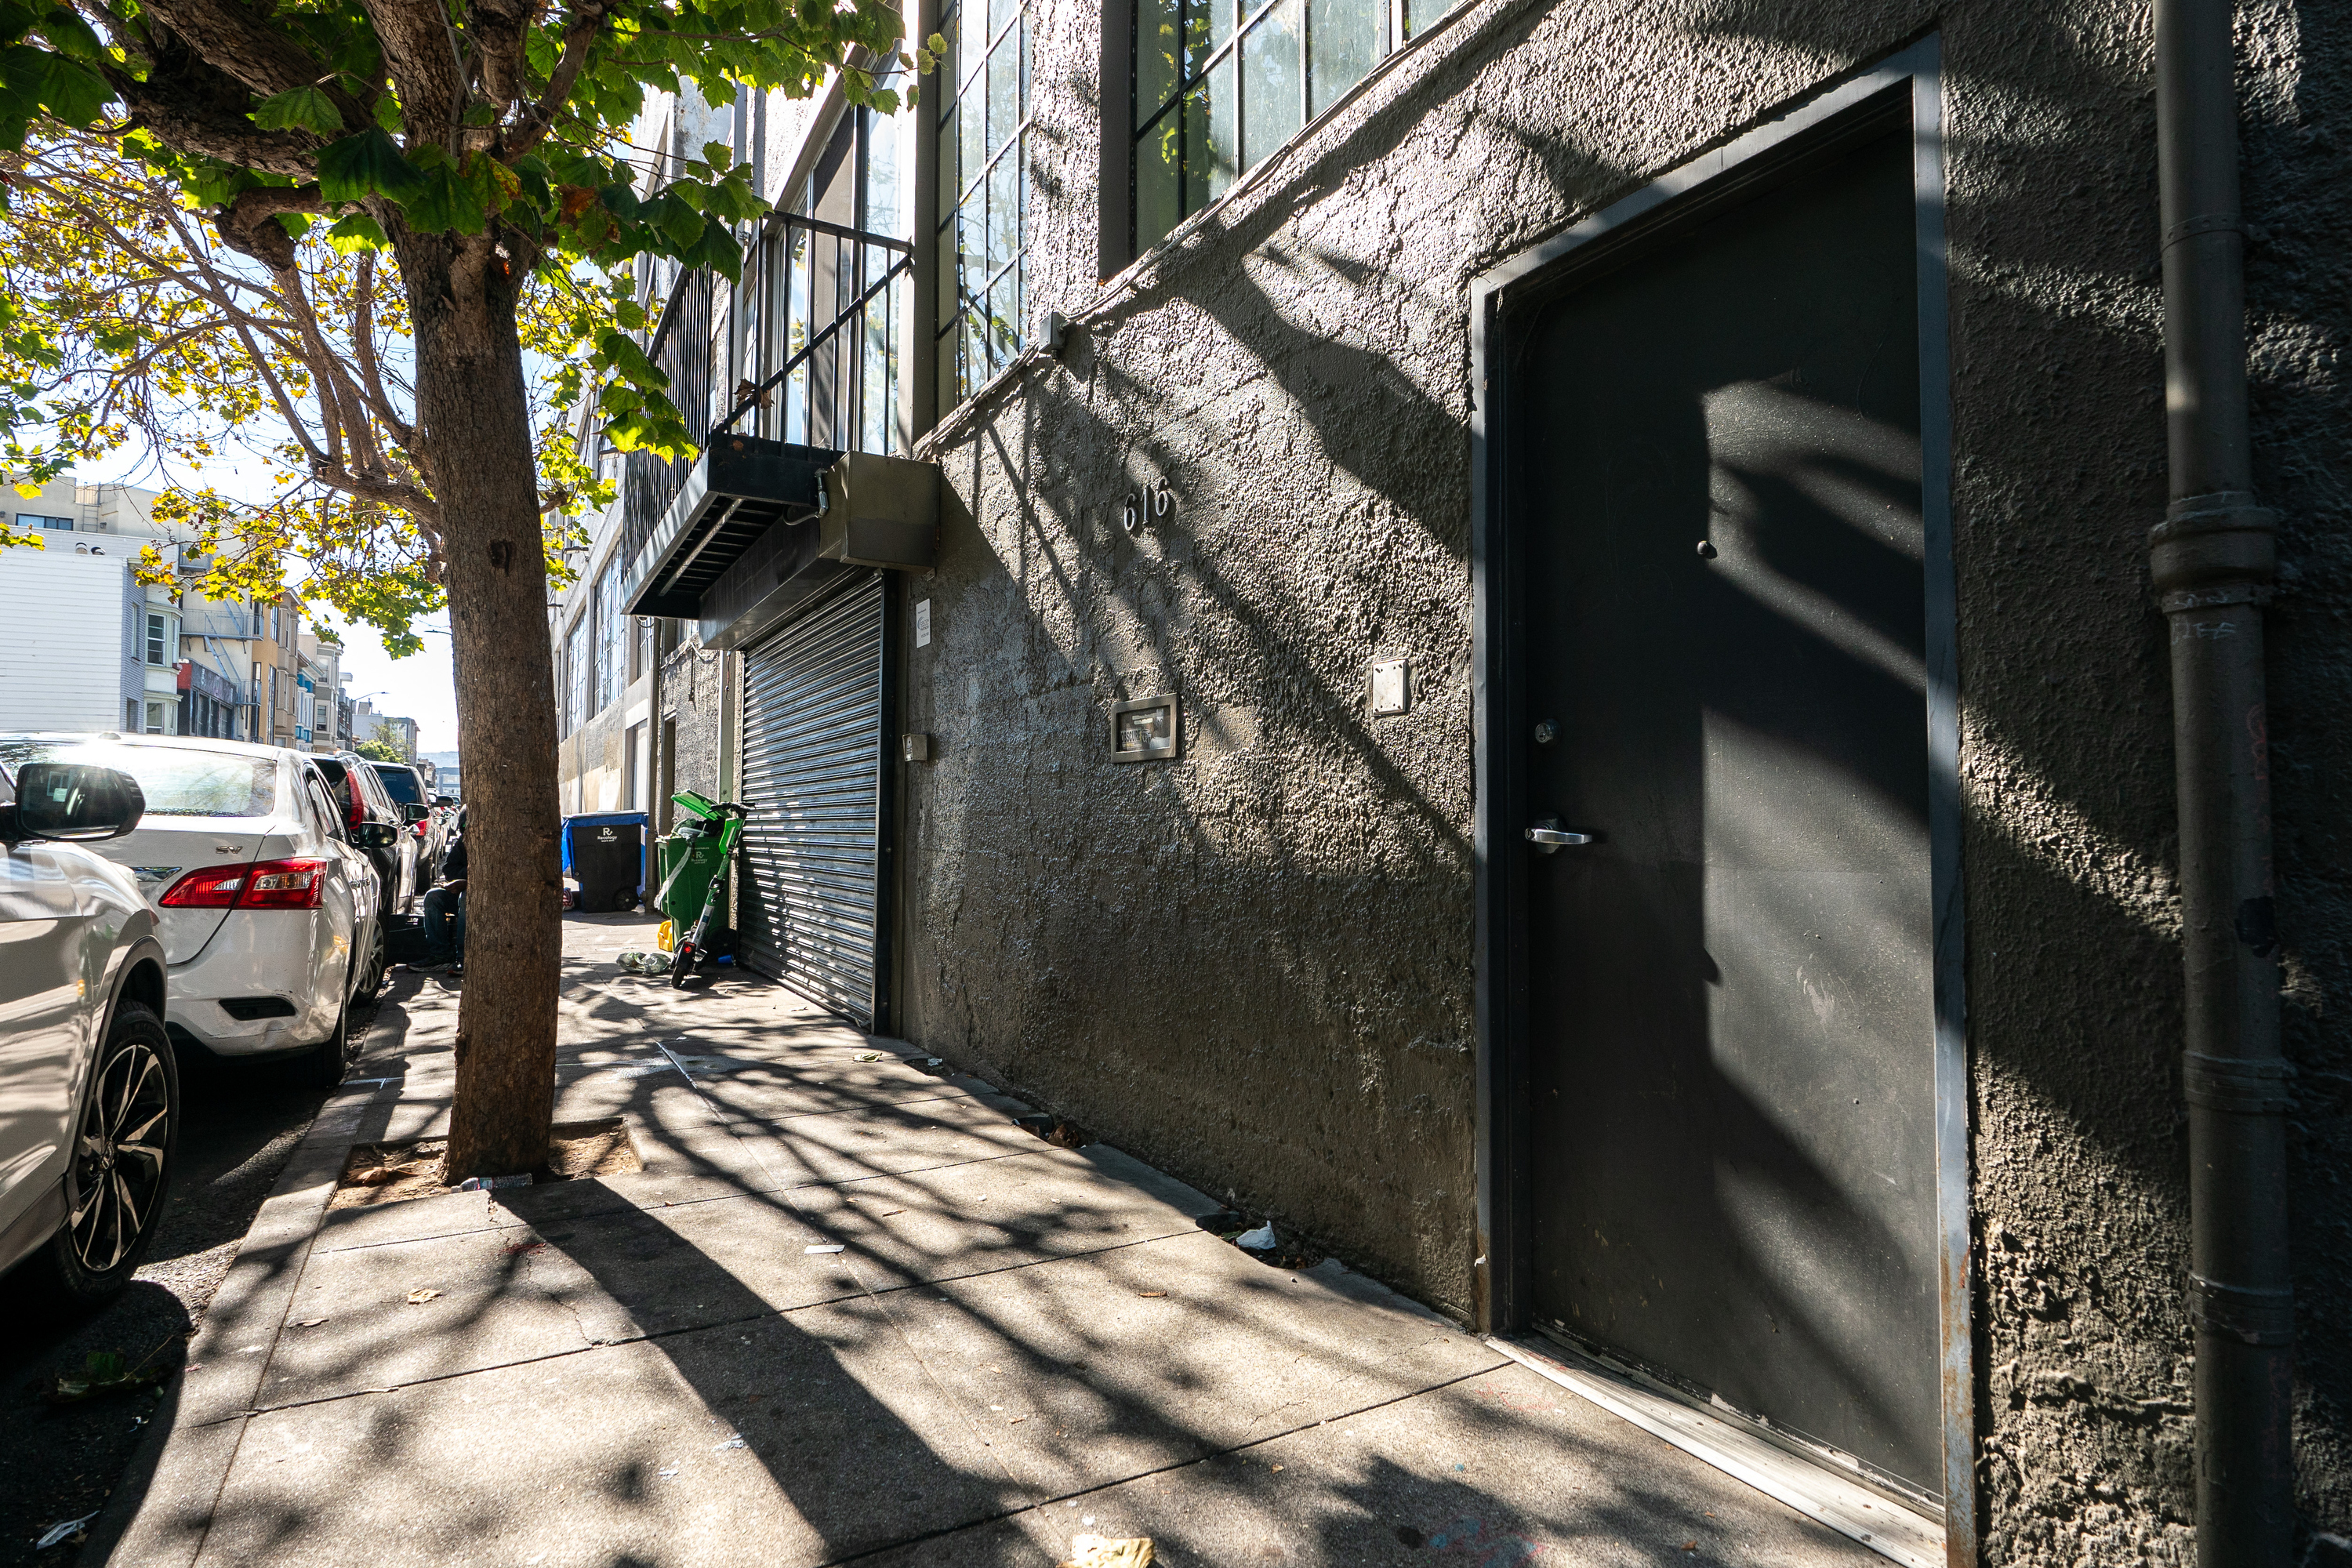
(733, 494)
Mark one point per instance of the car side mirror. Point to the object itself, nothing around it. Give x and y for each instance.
(77, 801)
(375, 836)
(414, 813)
(444, 801)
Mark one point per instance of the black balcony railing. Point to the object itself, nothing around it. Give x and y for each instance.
(822, 312)
(819, 352)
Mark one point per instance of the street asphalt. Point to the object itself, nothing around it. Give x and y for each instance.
(239, 1122)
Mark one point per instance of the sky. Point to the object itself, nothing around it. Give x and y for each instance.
(420, 687)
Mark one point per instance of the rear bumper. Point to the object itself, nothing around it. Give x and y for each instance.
(256, 960)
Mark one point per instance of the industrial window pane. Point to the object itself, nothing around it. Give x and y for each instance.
(971, 121)
(1159, 28)
(1158, 187)
(972, 49)
(1208, 27)
(885, 191)
(1003, 91)
(1003, 210)
(1346, 41)
(1273, 92)
(1209, 137)
(1004, 319)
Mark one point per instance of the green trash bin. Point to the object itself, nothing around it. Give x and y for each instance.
(685, 863)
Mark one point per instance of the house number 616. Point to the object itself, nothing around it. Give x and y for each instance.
(1150, 504)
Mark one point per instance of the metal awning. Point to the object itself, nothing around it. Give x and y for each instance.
(735, 492)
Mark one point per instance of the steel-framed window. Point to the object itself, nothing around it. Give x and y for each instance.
(823, 299)
(1220, 84)
(982, 127)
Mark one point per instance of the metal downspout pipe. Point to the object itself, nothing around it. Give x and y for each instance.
(2212, 560)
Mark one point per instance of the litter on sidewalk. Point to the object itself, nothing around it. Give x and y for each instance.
(492, 1184)
(1102, 1552)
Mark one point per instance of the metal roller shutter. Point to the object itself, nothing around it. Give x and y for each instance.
(813, 738)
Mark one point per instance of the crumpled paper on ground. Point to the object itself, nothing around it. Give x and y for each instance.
(1102, 1552)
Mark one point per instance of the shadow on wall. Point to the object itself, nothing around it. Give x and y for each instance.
(1255, 966)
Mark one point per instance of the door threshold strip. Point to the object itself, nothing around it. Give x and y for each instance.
(1845, 1505)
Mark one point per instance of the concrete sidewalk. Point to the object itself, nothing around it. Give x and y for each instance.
(1018, 1344)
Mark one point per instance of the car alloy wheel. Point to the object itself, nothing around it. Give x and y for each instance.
(120, 1148)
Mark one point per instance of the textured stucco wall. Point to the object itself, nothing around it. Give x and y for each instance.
(1254, 966)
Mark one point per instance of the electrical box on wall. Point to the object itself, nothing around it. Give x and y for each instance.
(1145, 731)
(915, 747)
(1392, 691)
(880, 511)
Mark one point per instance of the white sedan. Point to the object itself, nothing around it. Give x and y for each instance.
(90, 1097)
(267, 912)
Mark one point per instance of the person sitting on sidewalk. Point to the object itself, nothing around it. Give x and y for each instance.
(445, 912)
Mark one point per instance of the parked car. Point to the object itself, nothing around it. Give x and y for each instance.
(269, 915)
(361, 796)
(406, 786)
(89, 1088)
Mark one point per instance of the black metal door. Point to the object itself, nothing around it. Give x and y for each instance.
(1730, 1022)
(814, 726)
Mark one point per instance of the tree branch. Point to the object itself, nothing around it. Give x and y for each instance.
(238, 41)
(415, 35)
(579, 30)
(188, 124)
(364, 350)
(249, 224)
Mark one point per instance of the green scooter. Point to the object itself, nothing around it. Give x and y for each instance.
(693, 887)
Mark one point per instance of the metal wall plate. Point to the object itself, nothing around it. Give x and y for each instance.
(1146, 730)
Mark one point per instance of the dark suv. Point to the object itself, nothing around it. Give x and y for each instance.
(406, 788)
(361, 797)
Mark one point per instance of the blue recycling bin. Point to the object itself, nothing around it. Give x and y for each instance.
(604, 853)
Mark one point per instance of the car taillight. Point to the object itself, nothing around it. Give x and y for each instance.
(264, 885)
(356, 812)
(214, 888)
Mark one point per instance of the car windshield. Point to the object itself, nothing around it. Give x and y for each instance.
(177, 781)
(401, 784)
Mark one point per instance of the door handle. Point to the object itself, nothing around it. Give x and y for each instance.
(1549, 836)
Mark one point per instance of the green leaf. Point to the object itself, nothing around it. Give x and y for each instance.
(387, 113)
(677, 218)
(620, 201)
(718, 251)
(296, 224)
(480, 113)
(623, 355)
(69, 35)
(365, 165)
(719, 155)
(72, 94)
(579, 169)
(541, 51)
(356, 233)
(442, 201)
(300, 109)
(734, 200)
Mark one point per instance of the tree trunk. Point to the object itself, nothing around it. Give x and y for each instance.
(474, 418)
